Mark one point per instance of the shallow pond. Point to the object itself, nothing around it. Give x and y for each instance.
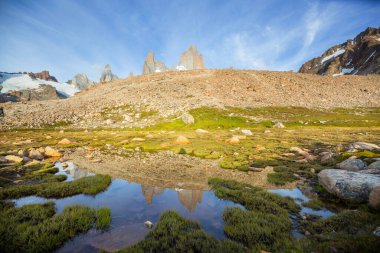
(131, 205)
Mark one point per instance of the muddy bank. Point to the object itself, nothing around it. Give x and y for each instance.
(165, 169)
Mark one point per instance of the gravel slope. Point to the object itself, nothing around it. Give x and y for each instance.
(177, 91)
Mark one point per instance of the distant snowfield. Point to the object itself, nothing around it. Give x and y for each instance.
(24, 81)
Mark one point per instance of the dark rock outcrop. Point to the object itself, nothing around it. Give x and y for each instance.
(81, 81)
(44, 75)
(44, 92)
(152, 66)
(107, 75)
(190, 59)
(360, 56)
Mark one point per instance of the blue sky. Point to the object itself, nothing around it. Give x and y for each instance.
(69, 37)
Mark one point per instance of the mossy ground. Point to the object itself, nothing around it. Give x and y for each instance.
(320, 128)
(37, 228)
(176, 234)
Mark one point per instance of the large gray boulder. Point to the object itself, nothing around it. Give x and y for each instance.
(81, 81)
(348, 185)
(107, 75)
(352, 164)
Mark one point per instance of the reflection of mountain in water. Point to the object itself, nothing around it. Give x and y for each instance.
(77, 173)
(188, 198)
(150, 191)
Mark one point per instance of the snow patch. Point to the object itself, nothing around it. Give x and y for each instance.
(180, 67)
(370, 56)
(24, 81)
(335, 54)
(344, 71)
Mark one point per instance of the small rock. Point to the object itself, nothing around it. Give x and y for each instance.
(364, 146)
(352, 164)
(377, 231)
(51, 152)
(258, 147)
(65, 141)
(138, 139)
(150, 136)
(109, 121)
(374, 198)
(36, 154)
(246, 132)
(278, 125)
(312, 170)
(65, 165)
(374, 166)
(187, 119)
(148, 224)
(96, 160)
(307, 233)
(14, 159)
(255, 169)
(22, 152)
(233, 140)
(182, 140)
(17, 181)
(61, 132)
(201, 131)
(267, 131)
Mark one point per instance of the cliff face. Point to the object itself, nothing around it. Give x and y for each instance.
(191, 59)
(360, 56)
(107, 75)
(152, 66)
(44, 75)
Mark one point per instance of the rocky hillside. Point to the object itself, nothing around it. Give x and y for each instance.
(170, 94)
(360, 56)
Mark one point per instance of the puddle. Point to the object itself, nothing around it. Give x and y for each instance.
(299, 197)
(131, 205)
(72, 171)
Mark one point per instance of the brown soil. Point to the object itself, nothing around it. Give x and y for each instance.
(164, 169)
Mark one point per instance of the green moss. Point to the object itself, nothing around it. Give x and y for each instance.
(281, 178)
(348, 231)
(265, 225)
(87, 185)
(176, 234)
(361, 155)
(36, 228)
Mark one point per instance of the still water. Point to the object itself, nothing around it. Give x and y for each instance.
(131, 205)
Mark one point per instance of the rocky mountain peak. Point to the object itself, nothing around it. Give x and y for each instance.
(107, 74)
(44, 75)
(360, 56)
(191, 59)
(81, 81)
(152, 66)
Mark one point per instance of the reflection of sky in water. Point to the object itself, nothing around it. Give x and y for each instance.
(72, 171)
(298, 197)
(131, 205)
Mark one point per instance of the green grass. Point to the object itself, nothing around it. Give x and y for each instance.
(36, 228)
(87, 185)
(265, 225)
(176, 234)
(348, 231)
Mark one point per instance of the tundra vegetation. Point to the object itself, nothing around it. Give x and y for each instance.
(264, 222)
